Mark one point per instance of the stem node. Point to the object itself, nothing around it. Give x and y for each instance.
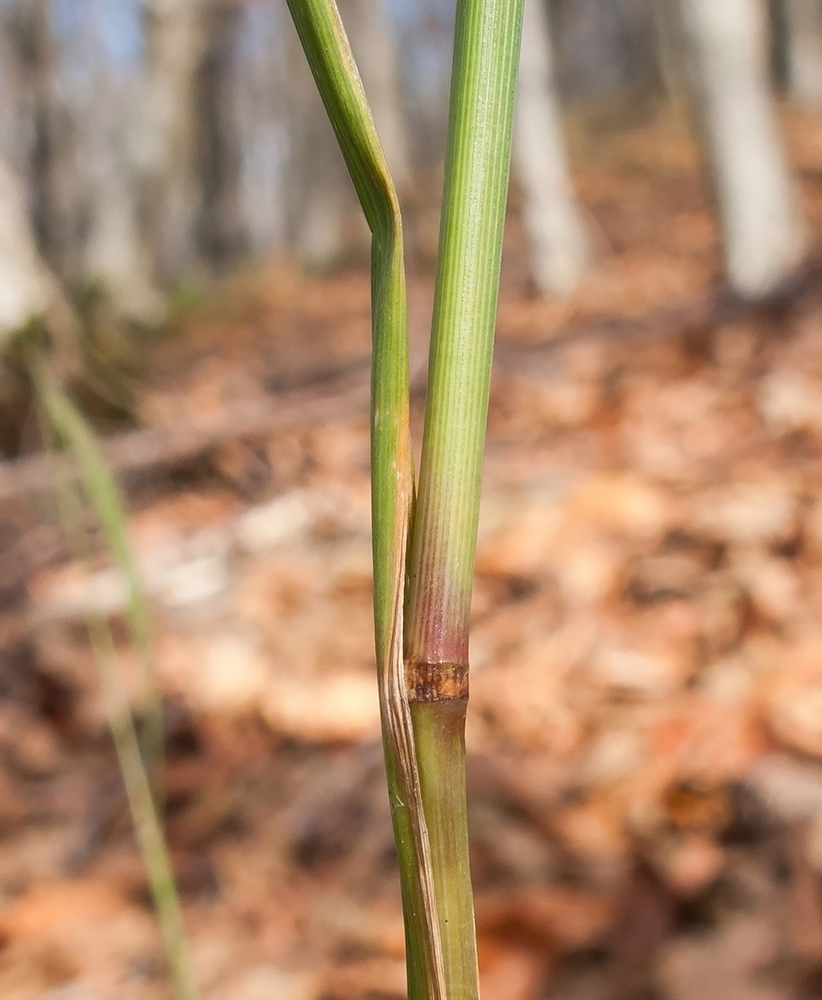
(430, 683)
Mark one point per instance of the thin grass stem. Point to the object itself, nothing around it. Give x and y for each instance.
(422, 628)
(444, 531)
(104, 493)
(59, 418)
(439, 733)
(329, 55)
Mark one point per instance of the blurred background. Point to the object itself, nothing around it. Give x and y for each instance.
(645, 731)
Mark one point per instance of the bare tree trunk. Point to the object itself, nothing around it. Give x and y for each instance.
(27, 288)
(48, 143)
(762, 229)
(803, 50)
(671, 58)
(219, 230)
(264, 135)
(593, 49)
(34, 227)
(39, 52)
(28, 293)
(189, 145)
(640, 18)
(375, 49)
(317, 182)
(114, 252)
(559, 248)
(324, 221)
(169, 197)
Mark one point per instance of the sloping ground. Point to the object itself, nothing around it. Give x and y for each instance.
(646, 715)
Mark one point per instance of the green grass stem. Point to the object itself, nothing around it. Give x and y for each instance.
(329, 55)
(483, 85)
(104, 492)
(444, 531)
(439, 732)
(60, 419)
(422, 628)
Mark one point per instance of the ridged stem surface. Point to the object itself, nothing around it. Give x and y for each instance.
(439, 733)
(444, 530)
(483, 83)
(329, 55)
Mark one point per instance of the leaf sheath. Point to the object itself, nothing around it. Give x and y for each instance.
(332, 64)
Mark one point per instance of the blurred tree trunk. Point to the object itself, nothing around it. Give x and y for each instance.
(375, 48)
(28, 290)
(316, 180)
(762, 228)
(47, 173)
(559, 248)
(189, 147)
(114, 252)
(28, 293)
(169, 200)
(325, 221)
(219, 145)
(803, 50)
(593, 47)
(641, 21)
(670, 43)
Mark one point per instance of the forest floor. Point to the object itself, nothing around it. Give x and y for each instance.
(645, 729)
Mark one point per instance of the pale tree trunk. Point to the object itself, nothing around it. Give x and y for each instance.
(28, 293)
(115, 252)
(593, 47)
(375, 49)
(188, 145)
(28, 290)
(47, 171)
(559, 248)
(324, 205)
(803, 50)
(166, 141)
(763, 233)
(219, 151)
(38, 50)
(324, 220)
(317, 184)
(670, 44)
(264, 134)
(640, 20)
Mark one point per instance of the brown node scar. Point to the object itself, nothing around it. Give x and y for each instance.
(435, 682)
